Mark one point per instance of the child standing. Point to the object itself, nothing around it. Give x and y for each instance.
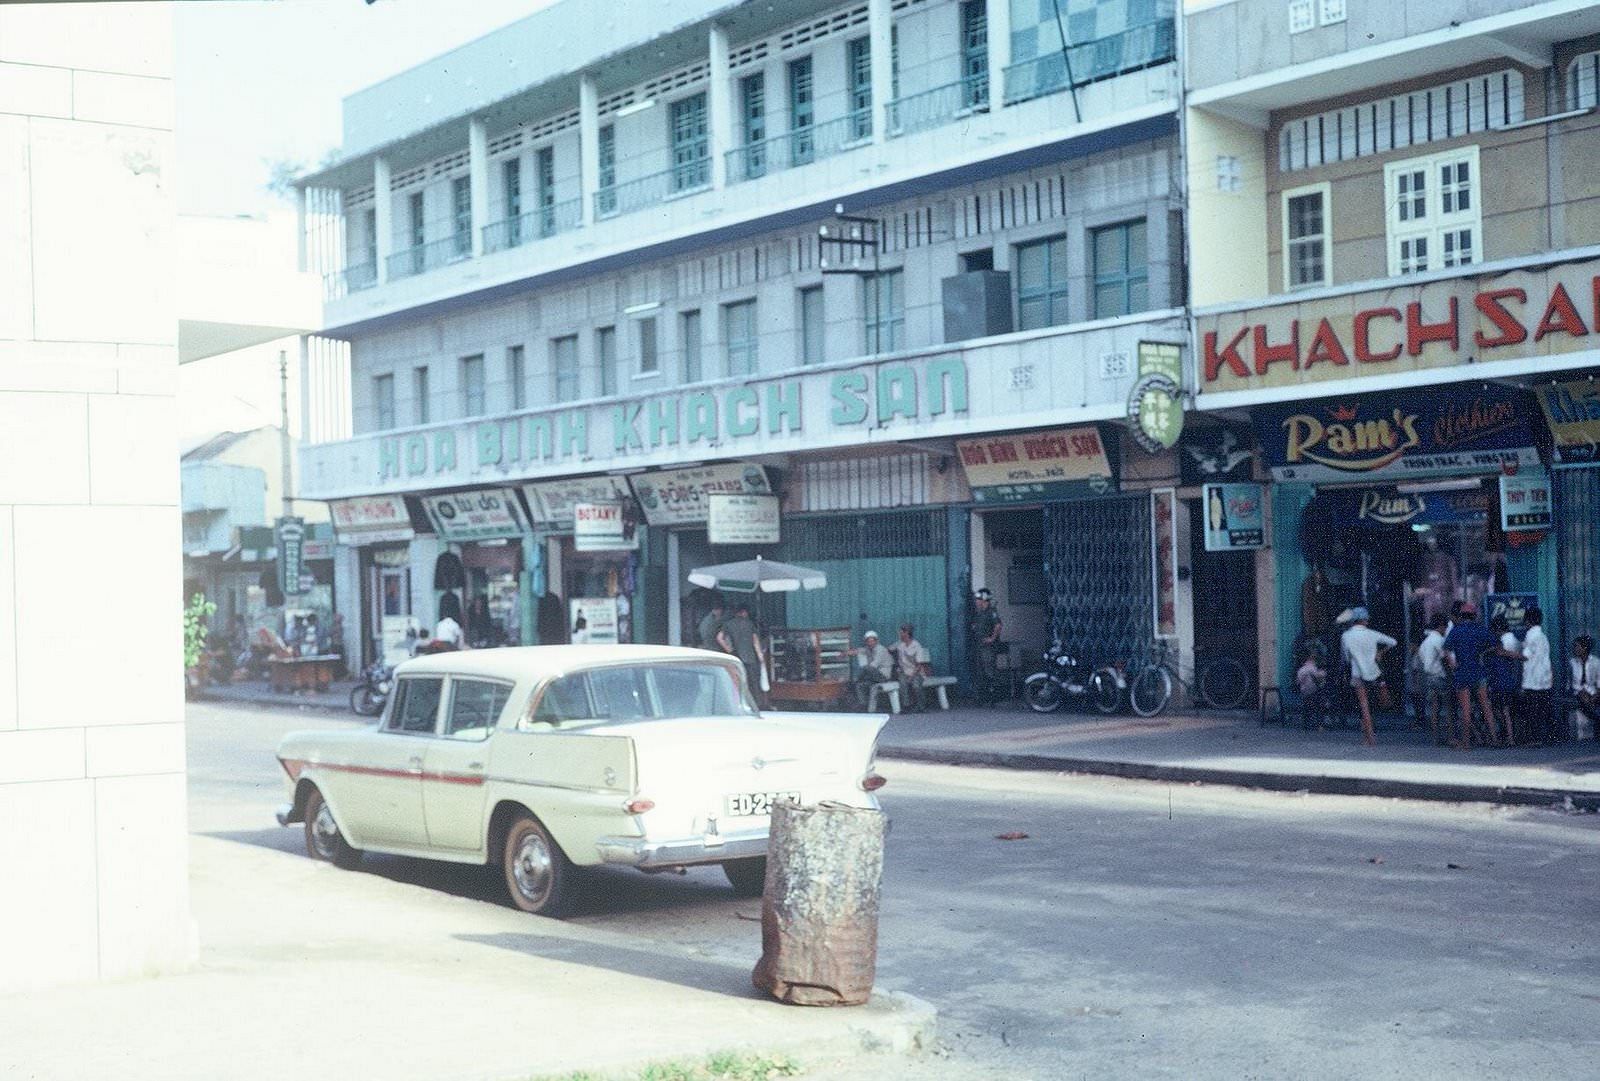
(1312, 680)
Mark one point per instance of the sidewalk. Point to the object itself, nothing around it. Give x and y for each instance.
(335, 699)
(309, 971)
(1235, 749)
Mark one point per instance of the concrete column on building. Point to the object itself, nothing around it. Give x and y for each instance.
(305, 393)
(382, 209)
(880, 26)
(719, 106)
(998, 18)
(478, 180)
(588, 144)
(300, 228)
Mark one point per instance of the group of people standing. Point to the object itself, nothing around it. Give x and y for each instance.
(736, 635)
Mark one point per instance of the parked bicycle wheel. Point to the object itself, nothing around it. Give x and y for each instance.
(1106, 690)
(1151, 691)
(1041, 694)
(1224, 684)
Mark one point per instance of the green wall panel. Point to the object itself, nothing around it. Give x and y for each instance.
(890, 591)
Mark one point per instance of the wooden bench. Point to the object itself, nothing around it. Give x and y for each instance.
(288, 674)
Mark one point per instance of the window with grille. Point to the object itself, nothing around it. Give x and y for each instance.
(544, 160)
(974, 52)
(1583, 81)
(419, 384)
(1306, 237)
(739, 337)
(369, 230)
(859, 60)
(564, 367)
(689, 331)
(1434, 212)
(649, 362)
(472, 397)
(418, 231)
(753, 109)
(517, 377)
(461, 207)
(1121, 269)
(606, 169)
(1042, 284)
(383, 400)
(886, 311)
(813, 326)
(605, 352)
(511, 180)
(802, 111)
(691, 147)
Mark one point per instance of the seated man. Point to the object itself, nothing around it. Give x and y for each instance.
(876, 667)
(910, 666)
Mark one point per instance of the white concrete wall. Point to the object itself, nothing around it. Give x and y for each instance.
(93, 837)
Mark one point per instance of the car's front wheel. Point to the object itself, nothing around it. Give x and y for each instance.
(538, 874)
(748, 877)
(324, 840)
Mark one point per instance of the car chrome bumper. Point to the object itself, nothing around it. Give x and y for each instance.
(647, 852)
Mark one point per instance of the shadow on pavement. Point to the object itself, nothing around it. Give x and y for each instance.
(684, 971)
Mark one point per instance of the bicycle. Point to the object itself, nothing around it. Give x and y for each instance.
(1221, 684)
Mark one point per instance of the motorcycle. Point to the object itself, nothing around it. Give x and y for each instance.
(1064, 676)
(371, 692)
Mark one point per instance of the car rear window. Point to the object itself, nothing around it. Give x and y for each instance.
(643, 692)
(475, 706)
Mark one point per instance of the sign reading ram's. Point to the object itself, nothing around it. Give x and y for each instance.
(1542, 312)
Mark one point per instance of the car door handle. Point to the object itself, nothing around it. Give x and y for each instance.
(416, 763)
(475, 765)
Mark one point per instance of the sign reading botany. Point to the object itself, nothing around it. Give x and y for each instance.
(1454, 429)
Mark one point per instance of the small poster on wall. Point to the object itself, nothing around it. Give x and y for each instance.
(1236, 518)
(1164, 561)
(743, 519)
(1525, 502)
(592, 620)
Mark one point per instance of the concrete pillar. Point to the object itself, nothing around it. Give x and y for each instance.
(588, 144)
(383, 209)
(300, 228)
(478, 180)
(719, 106)
(305, 393)
(999, 27)
(94, 829)
(880, 23)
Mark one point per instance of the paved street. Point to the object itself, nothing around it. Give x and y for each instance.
(1141, 928)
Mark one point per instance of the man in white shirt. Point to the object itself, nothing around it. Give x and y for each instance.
(1435, 680)
(910, 665)
(1361, 646)
(1583, 671)
(876, 667)
(1537, 678)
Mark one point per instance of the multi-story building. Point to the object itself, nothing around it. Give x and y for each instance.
(1395, 211)
(898, 263)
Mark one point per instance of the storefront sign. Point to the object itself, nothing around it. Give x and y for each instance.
(1164, 559)
(1236, 517)
(592, 620)
(1386, 507)
(1525, 503)
(1214, 454)
(743, 519)
(1453, 429)
(1513, 606)
(289, 537)
(316, 549)
(682, 496)
(482, 514)
(551, 502)
(373, 519)
(1158, 407)
(1065, 463)
(1540, 312)
(604, 527)
(1573, 412)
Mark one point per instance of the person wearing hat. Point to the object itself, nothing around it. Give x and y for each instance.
(1361, 646)
(983, 631)
(1464, 649)
(876, 667)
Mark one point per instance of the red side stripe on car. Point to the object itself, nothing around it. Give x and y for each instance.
(295, 766)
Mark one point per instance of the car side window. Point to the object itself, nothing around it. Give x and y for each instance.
(416, 707)
(619, 694)
(475, 706)
(565, 699)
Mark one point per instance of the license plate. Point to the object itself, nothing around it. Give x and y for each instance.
(747, 804)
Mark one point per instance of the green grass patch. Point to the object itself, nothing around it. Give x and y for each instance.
(726, 1066)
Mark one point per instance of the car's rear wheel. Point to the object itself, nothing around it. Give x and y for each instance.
(748, 877)
(324, 840)
(539, 876)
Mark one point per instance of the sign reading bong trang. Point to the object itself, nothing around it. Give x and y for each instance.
(1059, 464)
(682, 496)
(743, 519)
(1544, 311)
(481, 514)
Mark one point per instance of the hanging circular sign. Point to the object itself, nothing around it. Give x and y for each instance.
(1151, 405)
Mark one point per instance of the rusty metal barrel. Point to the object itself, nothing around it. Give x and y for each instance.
(819, 912)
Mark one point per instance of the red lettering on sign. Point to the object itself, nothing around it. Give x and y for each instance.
(1003, 452)
(972, 454)
(1560, 314)
(1326, 346)
(1512, 332)
(1363, 348)
(1229, 356)
(1268, 355)
(1419, 334)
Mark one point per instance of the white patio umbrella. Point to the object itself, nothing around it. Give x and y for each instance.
(758, 576)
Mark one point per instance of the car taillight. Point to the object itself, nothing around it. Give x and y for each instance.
(293, 767)
(873, 781)
(639, 806)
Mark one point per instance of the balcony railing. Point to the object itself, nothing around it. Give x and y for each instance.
(800, 147)
(1136, 48)
(682, 179)
(942, 104)
(361, 276)
(425, 257)
(534, 225)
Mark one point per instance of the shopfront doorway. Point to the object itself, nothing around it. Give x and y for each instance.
(388, 629)
(1224, 601)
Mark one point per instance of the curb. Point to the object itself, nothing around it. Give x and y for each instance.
(1318, 784)
(315, 705)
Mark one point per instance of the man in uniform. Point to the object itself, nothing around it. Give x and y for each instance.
(983, 631)
(710, 629)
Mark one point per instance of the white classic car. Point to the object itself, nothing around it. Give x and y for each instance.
(547, 757)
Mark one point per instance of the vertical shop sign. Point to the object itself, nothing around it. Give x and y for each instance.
(1525, 502)
(1236, 518)
(290, 537)
(1157, 404)
(1164, 559)
(593, 620)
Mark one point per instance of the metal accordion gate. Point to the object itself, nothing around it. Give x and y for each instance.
(1097, 562)
(1577, 493)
